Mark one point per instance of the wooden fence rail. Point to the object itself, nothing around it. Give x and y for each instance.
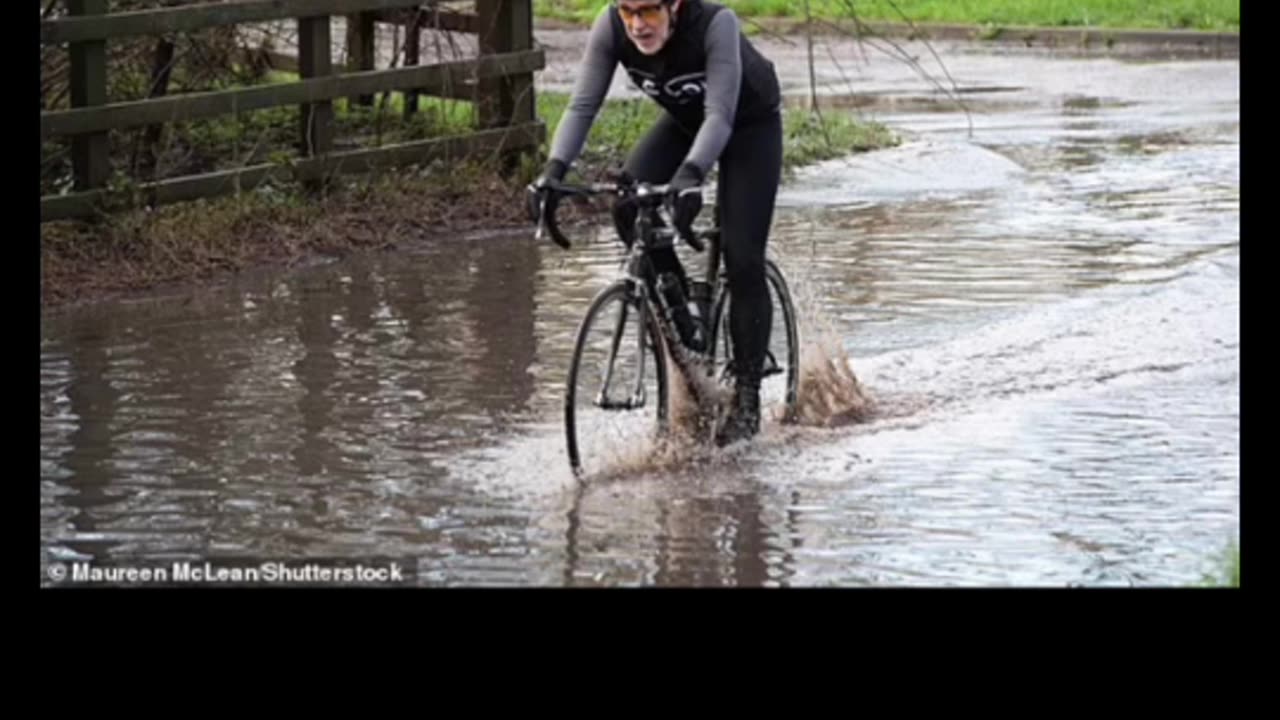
(186, 18)
(440, 79)
(230, 182)
(499, 81)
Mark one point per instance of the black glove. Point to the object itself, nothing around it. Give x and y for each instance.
(537, 191)
(684, 198)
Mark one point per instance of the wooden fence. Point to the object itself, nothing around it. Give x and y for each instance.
(499, 80)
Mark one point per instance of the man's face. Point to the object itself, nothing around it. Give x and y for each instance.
(649, 22)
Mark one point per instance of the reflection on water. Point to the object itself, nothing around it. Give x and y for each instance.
(1045, 320)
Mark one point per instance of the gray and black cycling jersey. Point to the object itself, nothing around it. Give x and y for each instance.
(708, 77)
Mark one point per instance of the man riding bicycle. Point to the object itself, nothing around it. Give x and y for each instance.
(722, 103)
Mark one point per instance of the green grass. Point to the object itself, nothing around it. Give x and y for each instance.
(617, 128)
(809, 139)
(265, 135)
(1229, 572)
(621, 124)
(436, 117)
(227, 140)
(1167, 14)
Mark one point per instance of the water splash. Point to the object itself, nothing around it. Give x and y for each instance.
(697, 402)
(830, 393)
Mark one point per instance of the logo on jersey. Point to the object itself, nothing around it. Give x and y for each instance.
(680, 90)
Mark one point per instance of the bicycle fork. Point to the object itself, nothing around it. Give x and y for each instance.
(637, 399)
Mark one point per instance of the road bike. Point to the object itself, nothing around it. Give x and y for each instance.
(618, 392)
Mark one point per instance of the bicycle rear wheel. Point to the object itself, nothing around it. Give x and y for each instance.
(616, 404)
(780, 384)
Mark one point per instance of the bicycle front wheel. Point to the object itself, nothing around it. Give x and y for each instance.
(780, 384)
(616, 404)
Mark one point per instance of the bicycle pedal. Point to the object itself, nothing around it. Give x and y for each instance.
(634, 402)
(620, 404)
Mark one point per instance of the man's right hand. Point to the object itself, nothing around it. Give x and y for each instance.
(537, 191)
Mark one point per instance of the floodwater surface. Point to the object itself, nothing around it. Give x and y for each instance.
(1039, 299)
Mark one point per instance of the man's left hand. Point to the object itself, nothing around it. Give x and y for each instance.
(685, 197)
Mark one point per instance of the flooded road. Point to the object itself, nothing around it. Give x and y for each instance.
(1041, 298)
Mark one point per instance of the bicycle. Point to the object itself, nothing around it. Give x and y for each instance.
(618, 402)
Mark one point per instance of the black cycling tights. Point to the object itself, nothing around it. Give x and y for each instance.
(750, 170)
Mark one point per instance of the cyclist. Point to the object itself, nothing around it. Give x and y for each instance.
(722, 103)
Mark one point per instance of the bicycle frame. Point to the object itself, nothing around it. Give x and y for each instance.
(653, 232)
(650, 237)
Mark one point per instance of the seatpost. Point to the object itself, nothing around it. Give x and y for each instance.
(713, 248)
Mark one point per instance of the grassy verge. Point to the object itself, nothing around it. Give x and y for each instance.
(202, 240)
(1169, 14)
(1229, 572)
(810, 138)
(807, 139)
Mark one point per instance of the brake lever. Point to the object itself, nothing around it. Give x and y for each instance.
(688, 234)
(691, 237)
(547, 222)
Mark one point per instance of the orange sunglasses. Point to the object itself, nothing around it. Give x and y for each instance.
(650, 13)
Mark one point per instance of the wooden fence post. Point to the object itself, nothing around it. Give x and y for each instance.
(412, 56)
(361, 49)
(90, 161)
(315, 60)
(506, 26)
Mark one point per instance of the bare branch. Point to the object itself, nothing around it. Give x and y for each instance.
(911, 61)
(775, 35)
(813, 76)
(843, 75)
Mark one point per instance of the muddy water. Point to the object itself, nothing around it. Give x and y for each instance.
(1044, 312)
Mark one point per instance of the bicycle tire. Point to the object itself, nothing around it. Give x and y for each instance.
(596, 427)
(721, 336)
